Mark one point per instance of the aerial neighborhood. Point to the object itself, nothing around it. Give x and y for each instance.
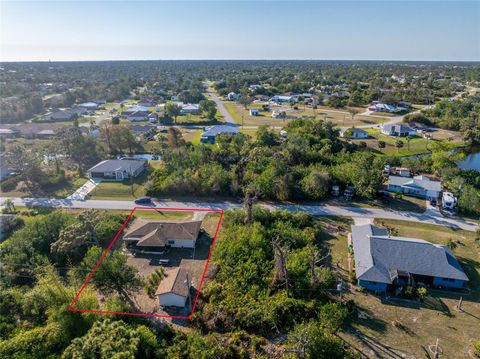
(233, 209)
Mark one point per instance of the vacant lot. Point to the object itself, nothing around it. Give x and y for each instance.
(337, 117)
(418, 325)
(416, 145)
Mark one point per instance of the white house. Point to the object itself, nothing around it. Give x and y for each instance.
(232, 96)
(397, 130)
(418, 186)
(354, 133)
(89, 106)
(254, 112)
(280, 99)
(174, 289)
(189, 108)
(117, 170)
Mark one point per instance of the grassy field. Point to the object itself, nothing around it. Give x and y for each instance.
(417, 145)
(338, 117)
(61, 190)
(372, 330)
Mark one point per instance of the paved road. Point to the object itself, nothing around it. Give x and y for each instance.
(220, 105)
(430, 217)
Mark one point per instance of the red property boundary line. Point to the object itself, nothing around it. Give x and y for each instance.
(70, 306)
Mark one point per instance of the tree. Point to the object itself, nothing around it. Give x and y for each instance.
(153, 281)
(476, 348)
(113, 339)
(173, 110)
(245, 100)
(381, 144)
(174, 138)
(317, 183)
(398, 144)
(209, 108)
(408, 139)
(353, 112)
(114, 275)
(9, 206)
(119, 138)
(27, 163)
(75, 145)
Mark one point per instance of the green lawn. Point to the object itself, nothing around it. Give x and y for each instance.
(417, 145)
(61, 190)
(371, 329)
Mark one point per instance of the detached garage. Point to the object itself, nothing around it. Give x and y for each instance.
(174, 290)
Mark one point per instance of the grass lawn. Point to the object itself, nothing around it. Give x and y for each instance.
(417, 145)
(61, 190)
(372, 329)
(338, 117)
(192, 135)
(406, 203)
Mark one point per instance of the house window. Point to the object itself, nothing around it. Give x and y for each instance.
(448, 280)
(171, 241)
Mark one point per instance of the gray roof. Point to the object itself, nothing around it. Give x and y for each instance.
(141, 129)
(378, 257)
(229, 129)
(417, 181)
(396, 128)
(118, 165)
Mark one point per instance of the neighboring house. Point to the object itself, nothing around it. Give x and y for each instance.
(355, 133)
(232, 96)
(174, 289)
(91, 106)
(254, 112)
(143, 131)
(8, 132)
(384, 107)
(63, 115)
(100, 101)
(117, 170)
(134, 109)
(146, 102)
(261, 98)
(46, 133)
(418, 186)
(281, 99)
(190, 108)
(397, 130)
(154, 236)
(400, 171)
(209, 136)
(30, 130)
(138, 116)
(383, 262)
(279, 114)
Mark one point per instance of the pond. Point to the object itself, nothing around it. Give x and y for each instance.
(143, 156)
(471, 162)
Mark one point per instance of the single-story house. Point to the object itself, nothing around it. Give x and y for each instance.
(117, 170)
(63, 115)
(418, 186)
(190, 108)
(153, 236)
(254, 112)
(353, 132)
(397, 130)
(261, 98)
(143, 131)
(146, 102)
(232, 96)
(133, 109)
(210, 134)
(8, 132)
(138, 116)
(385, 107)
(92, 106)
(174, 289)
(384, 262)
(281, 98)
(100, 101)
(30, 130)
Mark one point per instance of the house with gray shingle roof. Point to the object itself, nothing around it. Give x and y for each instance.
(117, 170)
(383, 262)
(174, 289)
(418, 186)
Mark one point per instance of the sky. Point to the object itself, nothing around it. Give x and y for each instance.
(323, 30)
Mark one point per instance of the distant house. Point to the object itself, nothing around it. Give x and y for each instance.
(138, 116)
(174, 289)
(396, 130)
(232, 96)
(282, 99)
(30, 130)
(254, 112)
(279, 114)
(134, 109)
(63, 115)
(100, 101)
(190, 108)
(154, 236)
(261, 98)
(211, 133)
(91, 106)
(117, 170)
(146, 102)
(384, 107)
(8, 132)
(354, 133)
(418, 186)
(383, 262)
(143, 131)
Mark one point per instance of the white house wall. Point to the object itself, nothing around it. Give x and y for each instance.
(172, 300)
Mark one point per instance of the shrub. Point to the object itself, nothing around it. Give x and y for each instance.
(451, 244)
(422, 292)
(381, 144)
(476, 348)
(362, 144)
(9, 184)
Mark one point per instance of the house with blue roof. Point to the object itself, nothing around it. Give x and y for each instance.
(384, 262)
(418, 186)
(210, 134)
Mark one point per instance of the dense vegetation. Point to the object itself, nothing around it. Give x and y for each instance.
(303, 166)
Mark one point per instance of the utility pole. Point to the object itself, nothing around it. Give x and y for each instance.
(459, 305)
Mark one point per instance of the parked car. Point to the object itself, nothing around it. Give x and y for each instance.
(143, 200)
(433, 202)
